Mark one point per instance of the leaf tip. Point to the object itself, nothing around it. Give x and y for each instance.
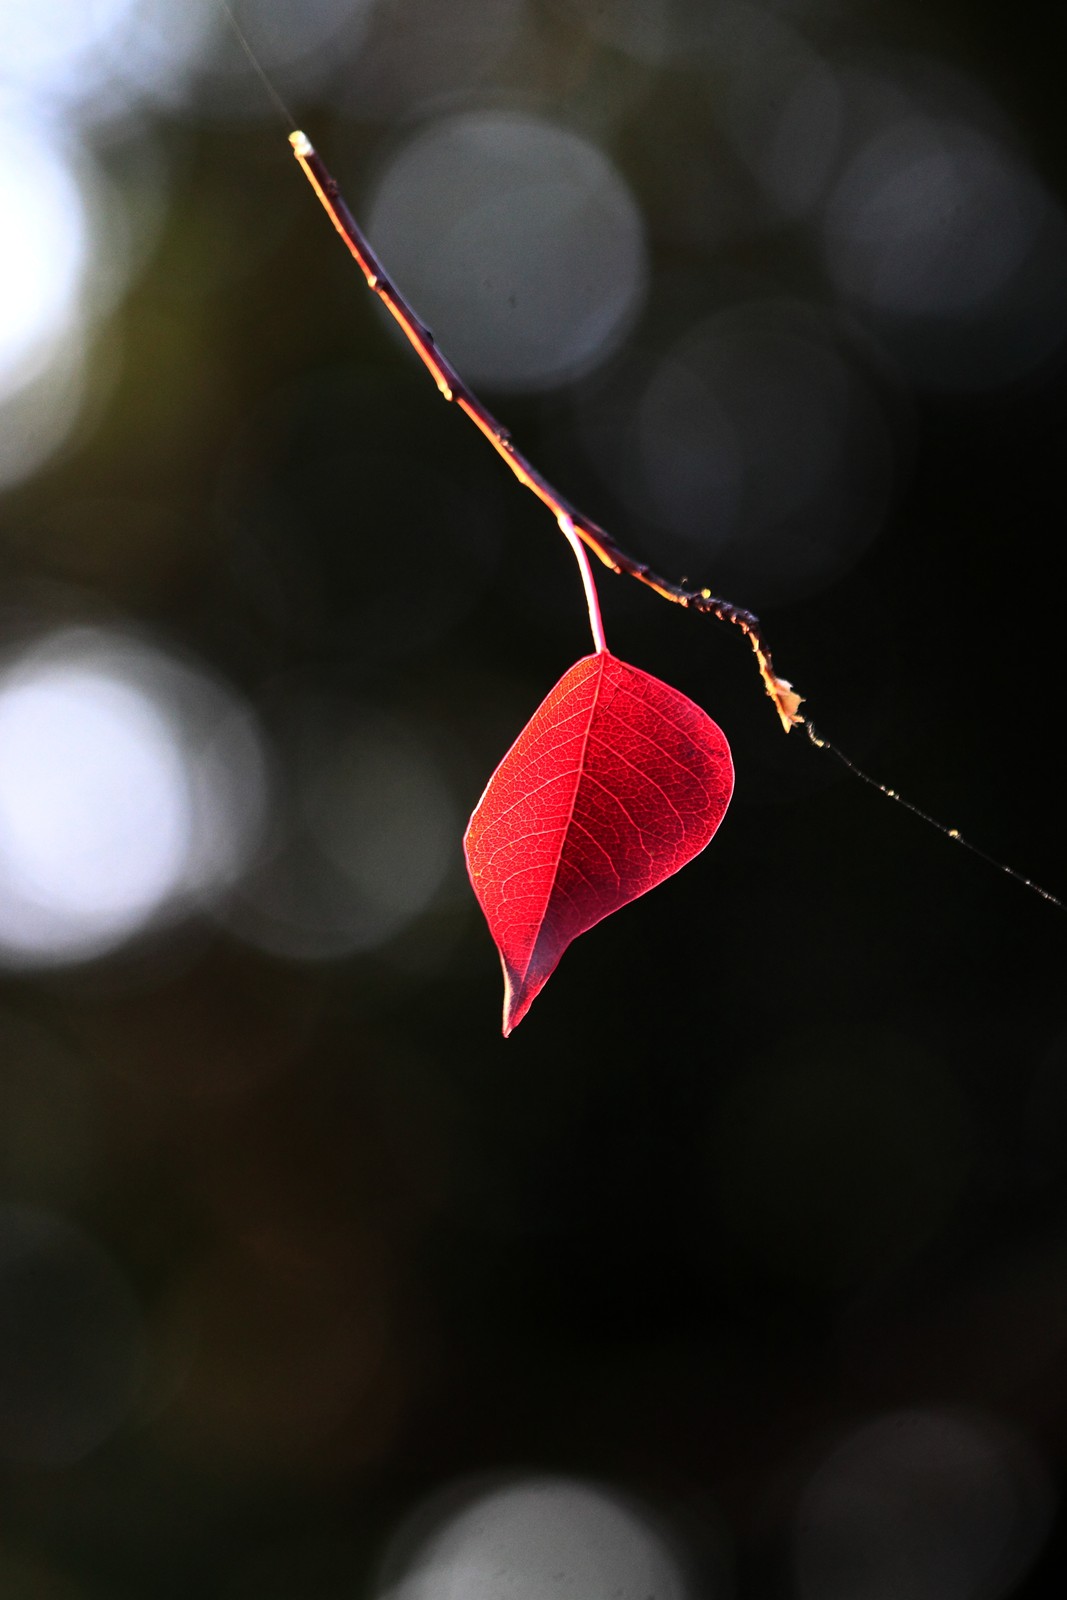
(517, 1001)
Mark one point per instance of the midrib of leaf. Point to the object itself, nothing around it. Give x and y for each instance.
(579, 772)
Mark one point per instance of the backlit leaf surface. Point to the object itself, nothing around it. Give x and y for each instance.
(616, 781)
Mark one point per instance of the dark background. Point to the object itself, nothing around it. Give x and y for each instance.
(292, 1239)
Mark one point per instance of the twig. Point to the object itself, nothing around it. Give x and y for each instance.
(452, 387)
(917, 811)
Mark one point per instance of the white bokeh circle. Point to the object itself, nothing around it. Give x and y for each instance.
(115, 802)
(537, 1539)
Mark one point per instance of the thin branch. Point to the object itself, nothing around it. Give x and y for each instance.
(942, 827)
(452, 387)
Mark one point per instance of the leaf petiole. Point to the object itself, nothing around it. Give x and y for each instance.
(592, 599)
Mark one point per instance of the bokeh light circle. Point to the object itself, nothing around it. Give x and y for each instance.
(930, 219)
(520, 243)
(778, 100)
(45, 254)
(941, 236)
(97, 61)
(757, 443)
(53, 48)
(363, 834)
(116, 801)
(93, 803)
(541, 1537)
(925, 1503)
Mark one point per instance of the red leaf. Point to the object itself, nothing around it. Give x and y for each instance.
(616, 781)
